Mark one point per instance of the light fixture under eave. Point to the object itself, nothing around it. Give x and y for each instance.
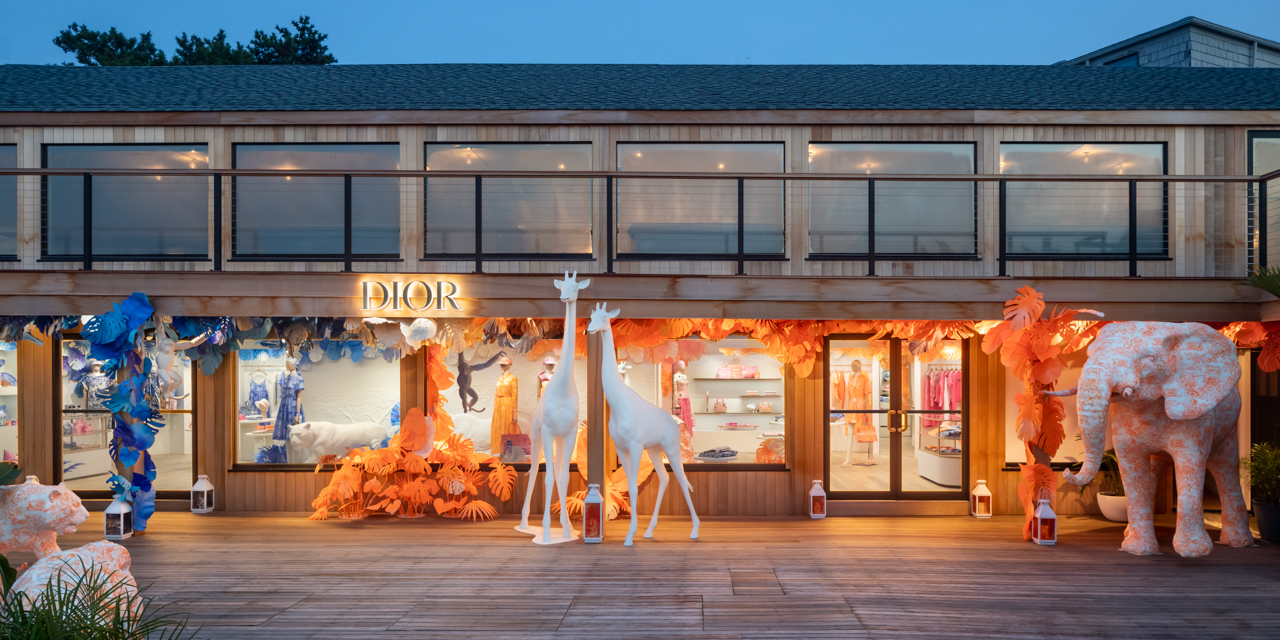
(1086, 156)
(722, 166)
(561, 166)
(638, 154)
(288, 177)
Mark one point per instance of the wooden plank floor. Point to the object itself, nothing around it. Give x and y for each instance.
(280, 577)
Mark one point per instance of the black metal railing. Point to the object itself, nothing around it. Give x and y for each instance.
(743, 214)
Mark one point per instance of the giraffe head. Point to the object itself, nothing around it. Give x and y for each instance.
(569, 287)
(600, 318)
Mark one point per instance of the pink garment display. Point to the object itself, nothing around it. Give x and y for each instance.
(943, 391)
(685, 409)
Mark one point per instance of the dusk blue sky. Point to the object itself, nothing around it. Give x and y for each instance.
(653, 31)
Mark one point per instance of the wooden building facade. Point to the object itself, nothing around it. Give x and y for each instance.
(1214, 230)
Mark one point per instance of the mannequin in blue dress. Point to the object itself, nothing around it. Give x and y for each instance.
(289, 412)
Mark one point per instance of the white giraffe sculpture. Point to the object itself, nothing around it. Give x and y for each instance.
(637, 426)
(555, 421)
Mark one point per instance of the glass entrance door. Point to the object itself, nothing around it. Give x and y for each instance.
(896, 419)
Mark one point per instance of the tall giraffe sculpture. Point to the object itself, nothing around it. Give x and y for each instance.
(637, 426)
(555, 422)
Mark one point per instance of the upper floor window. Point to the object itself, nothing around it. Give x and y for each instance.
(1264, 157)
(1084, 218)
(911, 218)
(518, 216)
(296, 217)
(8, 203)
(699, 217)
(154, 217)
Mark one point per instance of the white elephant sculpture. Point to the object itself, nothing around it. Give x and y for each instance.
(1170, 390)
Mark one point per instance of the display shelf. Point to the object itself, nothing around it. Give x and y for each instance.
(735, 413)
(739, 379)
(779, 396)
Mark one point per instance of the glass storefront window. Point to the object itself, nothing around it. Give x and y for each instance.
(87, 427)
(731, 401)
(338, 395)
(520, 215)
(8, 202)
(672, 216)
(133, 216)
(858, 402)
(9, 400)
(496, 390)
(1047, 218)
(294, 215)
(911, 217)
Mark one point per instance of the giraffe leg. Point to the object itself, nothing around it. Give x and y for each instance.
(655, 456)
(677, 467)
(633, 471)
(565, 445)
(533, 475)
(549, 484)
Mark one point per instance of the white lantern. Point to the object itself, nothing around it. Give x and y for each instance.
(593, 515)
(980, 501)
(202, 496)
(118, 520)
(817, 501)
(1044, 525)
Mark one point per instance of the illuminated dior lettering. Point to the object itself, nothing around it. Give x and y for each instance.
(414, 296)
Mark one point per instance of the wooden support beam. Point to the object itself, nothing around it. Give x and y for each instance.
(35, 410)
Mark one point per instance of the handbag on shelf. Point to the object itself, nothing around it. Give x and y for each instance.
(766, 407)
(750, 372)
(720, 406)
(735, 371)
(724, 372)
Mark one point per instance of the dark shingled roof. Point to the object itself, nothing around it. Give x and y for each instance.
(631, 87)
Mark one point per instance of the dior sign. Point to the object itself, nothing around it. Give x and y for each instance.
(412, 296)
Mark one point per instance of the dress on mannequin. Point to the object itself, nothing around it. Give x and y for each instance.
(258, 391)
(856, 391)
(289, 412)
(93, 382)
(504, 407)
(684, 411)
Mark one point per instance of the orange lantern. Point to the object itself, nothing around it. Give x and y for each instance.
(593, 515)
(980, 501)
(817, 501)
(1044, 525)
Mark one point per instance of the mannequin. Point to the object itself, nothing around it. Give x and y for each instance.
(684, 410)
(858, 398)
(170, 378)
(465, 392)
(289, 412)
(92, 383)
(505, 402)
(544, 376)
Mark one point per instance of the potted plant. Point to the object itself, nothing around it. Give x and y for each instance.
(1262, 470)
(1112, 501)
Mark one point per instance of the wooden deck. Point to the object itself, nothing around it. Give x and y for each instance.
(281, 577)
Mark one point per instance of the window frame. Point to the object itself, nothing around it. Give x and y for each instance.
(1123, 60)
(782, 256)
(507, 257)
(1255, 226)
(45, 256)
(340, 256)
(13, 257)
(968, 257)
(901, 495)
(105, 493)
(1089, 257)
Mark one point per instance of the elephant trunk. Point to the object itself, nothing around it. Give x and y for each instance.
(1093, 401)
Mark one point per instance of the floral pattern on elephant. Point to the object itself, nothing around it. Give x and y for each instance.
(1170, 393)
(32, 516)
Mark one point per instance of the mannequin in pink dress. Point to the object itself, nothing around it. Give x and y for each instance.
(684, 411)
(545, 376)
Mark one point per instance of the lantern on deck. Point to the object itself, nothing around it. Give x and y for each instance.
(1044, 525)
(817, 501)
(980, 501)
(118, 520)
(202, 496)
(593, 515)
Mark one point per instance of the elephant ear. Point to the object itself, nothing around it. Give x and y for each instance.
(1203, 370)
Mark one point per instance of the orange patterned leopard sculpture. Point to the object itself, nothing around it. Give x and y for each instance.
(111, 560)
(1170, 393)
(32, 515)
